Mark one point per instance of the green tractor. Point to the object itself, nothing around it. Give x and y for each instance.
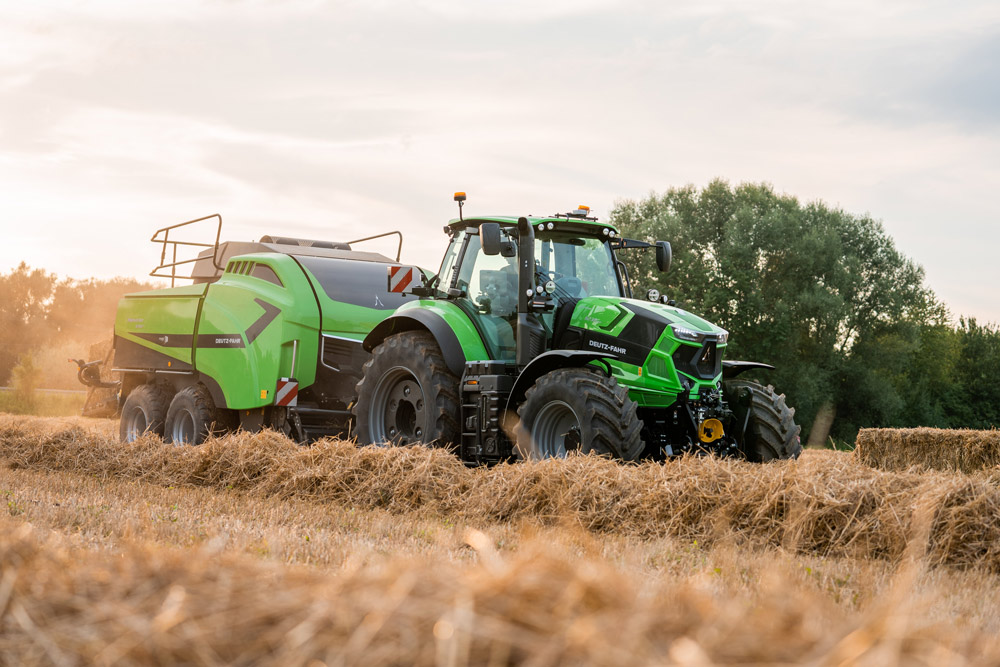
(526, 344)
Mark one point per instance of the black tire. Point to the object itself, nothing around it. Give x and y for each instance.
(407, 394)
(578, 409)
(145, 411)
(771, 432)
(191, 417)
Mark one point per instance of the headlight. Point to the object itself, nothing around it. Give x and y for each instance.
(692, 336)
(684, 333)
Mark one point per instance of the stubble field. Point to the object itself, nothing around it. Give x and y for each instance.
(251, 550)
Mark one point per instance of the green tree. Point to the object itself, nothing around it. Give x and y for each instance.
(822, 294)
(975, 400)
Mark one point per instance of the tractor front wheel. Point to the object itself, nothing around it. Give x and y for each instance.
(408, 394)
(578, 409)
(770, 432)
(144, 412)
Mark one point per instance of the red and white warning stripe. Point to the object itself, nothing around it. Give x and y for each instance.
(401, 278)
(287, 392)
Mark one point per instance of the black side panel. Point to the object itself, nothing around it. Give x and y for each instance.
(339, 369)
(631, 346)
(137, 357)
(357, 283)
(422, 319)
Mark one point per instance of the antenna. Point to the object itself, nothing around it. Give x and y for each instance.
(460, 198)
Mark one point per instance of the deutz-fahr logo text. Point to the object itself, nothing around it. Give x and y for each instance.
(606, 347)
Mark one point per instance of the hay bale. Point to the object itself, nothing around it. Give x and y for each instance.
(954, 450)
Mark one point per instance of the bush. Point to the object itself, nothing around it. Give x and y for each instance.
(26, 378)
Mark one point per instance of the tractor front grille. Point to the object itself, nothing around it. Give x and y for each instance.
(702, 362)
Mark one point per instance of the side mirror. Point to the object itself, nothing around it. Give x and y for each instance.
(663, 256)
(489, 236)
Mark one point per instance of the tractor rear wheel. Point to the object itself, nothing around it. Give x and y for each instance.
(407, 394)
(144, 412)
(191, 417)
(578, 409)
(771, 432)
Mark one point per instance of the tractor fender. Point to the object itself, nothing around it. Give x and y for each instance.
(419, 319)
(731, 369)
(550, 361)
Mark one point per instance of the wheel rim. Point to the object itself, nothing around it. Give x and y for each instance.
(397, 410)
(556, 430)
(182, 431)
(137, 424)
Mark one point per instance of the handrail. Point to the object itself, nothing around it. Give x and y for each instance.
(174, 263)
(399, 250)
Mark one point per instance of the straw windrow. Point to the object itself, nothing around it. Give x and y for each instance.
(542, 605)
(824, 504)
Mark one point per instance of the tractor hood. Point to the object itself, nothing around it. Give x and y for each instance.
(630, 329)
(676, 316)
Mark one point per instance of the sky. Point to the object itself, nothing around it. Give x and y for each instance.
(338, 120)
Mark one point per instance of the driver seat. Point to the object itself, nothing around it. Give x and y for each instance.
(560, 325)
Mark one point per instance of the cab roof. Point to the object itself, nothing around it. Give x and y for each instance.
(569, 222)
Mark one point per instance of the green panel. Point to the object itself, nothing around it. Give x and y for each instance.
(468, 337)
(603, 314)
(158, 313)
(248, 375)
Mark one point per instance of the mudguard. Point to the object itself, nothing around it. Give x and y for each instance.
(416, 319)
(731, 369)
(550, 361)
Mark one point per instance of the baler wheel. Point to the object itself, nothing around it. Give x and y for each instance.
(144, 412)
(191, 417)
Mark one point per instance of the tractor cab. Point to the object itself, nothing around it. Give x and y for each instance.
(564, 258)
(569, 260)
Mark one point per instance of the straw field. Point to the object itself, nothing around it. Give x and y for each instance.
(251, 550)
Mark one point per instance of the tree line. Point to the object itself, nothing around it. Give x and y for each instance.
(857, 336)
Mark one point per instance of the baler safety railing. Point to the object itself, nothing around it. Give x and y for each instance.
(399, 250)
(173, 243)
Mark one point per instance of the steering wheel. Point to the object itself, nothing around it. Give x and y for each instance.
(571, 285)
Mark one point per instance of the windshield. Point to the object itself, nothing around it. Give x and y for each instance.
(579, 266)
